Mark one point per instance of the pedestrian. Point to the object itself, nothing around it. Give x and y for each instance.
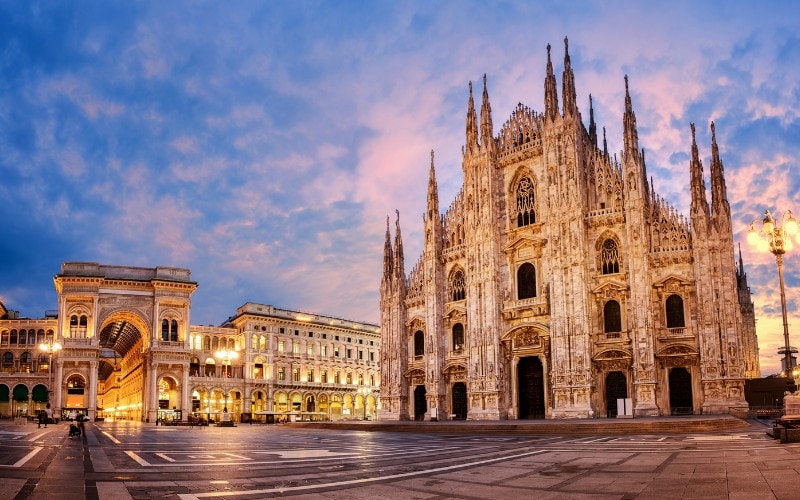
(41, 417)
(48, 415)
(81, 418)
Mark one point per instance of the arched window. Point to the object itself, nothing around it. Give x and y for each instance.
(526, 281)
(210, 370)
(458, 337)
(458, 286)
(23, 337)
(8, 362)
(164, 330)
(207, 343)
(13, 336)
(675, 312)
(4, 340)
(43, 363)
(609, 257)
(173, 334)
(194, 367)
(525, 206)
(612, 318)
(25, 362)
(419, 343)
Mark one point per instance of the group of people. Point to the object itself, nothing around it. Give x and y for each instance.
(76, 426)
(45, 416)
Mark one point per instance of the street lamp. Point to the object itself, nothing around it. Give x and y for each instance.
(364, 392)
(50, 347)
(226, 355)
(776, 239)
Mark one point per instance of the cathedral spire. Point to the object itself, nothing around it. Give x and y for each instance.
(699, 204)
(605, 143)
(487, 139)
(399, 266)
(592, 124)
(433, 193)
(550, 93)
(631, 137)
(388, 258)
(719, 197)
(568, 84)
(472, 124)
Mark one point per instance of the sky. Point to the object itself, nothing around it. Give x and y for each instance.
(263, 144)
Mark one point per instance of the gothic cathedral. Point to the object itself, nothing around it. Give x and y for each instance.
(558, 284)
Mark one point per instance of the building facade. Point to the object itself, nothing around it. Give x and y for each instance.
(558, 283)
(126, 349)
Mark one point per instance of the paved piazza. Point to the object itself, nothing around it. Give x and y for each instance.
(132, 460)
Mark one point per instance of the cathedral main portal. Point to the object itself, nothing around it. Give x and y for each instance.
(530, 376)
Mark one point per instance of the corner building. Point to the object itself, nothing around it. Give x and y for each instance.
(128, 351)
(558, 282)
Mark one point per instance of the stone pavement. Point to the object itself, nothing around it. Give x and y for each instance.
(736, 461)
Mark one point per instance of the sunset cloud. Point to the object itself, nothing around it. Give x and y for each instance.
(262, 145)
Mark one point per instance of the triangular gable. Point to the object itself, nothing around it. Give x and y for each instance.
(672, 279)
(523, 242)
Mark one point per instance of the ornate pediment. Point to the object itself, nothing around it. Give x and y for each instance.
(416, 323)
(672, 282)
(612, 355)
(455, 313)
(611, 288)
(416, 376)
(677, 350)
(534, 336)
(535, 244)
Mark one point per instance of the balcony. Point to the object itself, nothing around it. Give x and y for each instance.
(612, 338)
(521, 308)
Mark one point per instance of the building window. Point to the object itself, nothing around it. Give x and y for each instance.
(324, 350)
(349, 378)
(281, 373)
(458, 286)
(360, 355)
(336, 377)
(609, 257)
(419, 343)
(323, 375)
(281, 346)
(310, 376)
(458, 337)
(349, 353)
(371, 356)
(296, 347)
(612, 317)
(525, 198)
(335, 352)
(526, 281)
(296, 374)
(310, 349)
(675, 312)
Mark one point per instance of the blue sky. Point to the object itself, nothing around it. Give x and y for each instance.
(262, 144)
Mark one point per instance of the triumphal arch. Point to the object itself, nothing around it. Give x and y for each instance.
(123, 333)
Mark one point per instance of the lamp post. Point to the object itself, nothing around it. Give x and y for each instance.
(50, 347)
(226, 355)
(776, 239)
(364, 392)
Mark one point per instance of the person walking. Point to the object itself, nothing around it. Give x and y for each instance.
(41, 417)
(48, 415)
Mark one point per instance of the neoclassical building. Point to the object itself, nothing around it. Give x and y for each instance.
(128, 350)
(558, 282)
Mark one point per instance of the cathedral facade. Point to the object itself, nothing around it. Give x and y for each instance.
(558, 284)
